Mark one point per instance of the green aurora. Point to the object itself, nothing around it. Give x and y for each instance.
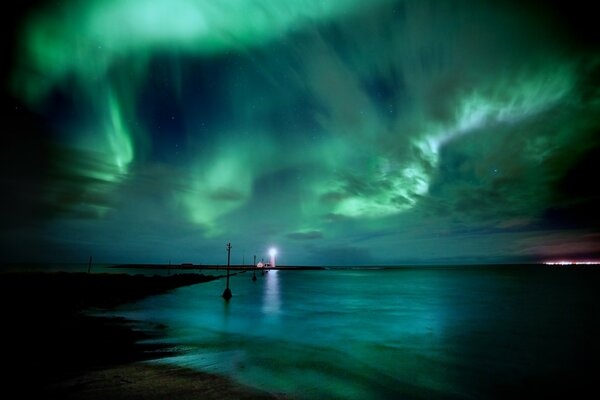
(343, 132)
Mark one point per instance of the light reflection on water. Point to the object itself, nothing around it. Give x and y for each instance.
(381, 334)
(271, 302)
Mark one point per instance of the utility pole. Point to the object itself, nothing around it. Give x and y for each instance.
(90, 265)
(254, 269)
(227, 293)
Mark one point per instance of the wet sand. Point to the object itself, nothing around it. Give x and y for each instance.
(152, 381)
(53, 348)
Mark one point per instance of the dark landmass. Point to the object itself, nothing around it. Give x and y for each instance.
(54, 349)
(206, 266)
(200, 267)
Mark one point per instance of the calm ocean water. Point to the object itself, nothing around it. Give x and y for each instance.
(410, 333)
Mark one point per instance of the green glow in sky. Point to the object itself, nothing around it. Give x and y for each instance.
(118, 138)
(328, 127)
(223, 183)
(86, 38)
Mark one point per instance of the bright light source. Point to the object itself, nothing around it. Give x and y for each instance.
(272, 251)
(570, 262)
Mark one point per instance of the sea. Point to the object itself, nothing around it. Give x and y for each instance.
(466, 332)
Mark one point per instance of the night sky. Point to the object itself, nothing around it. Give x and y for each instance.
(343, 132)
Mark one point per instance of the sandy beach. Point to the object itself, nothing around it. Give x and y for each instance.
(55, 349)
(152, 381)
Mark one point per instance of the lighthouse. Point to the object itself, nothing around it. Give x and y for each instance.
(272, 253)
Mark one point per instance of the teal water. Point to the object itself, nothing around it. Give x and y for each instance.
(410, 333)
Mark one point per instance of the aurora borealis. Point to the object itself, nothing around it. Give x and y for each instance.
(344, 132)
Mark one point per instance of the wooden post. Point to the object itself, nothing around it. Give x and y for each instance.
(227, 293)
(90, 265)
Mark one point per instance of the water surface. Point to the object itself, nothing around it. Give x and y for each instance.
(480, 332)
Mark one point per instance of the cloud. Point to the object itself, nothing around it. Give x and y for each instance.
(342, 254)
(80, 184)
(227, 194)
(307, 235)
(561, 244)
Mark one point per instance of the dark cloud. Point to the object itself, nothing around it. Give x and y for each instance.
(344, 255)
(555, 244)
(310, 235)
(79, 183)
(227, 194)
(576, 197)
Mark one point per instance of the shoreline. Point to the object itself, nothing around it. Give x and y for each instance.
(200, 267)
(146, 380)
(56, 349)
